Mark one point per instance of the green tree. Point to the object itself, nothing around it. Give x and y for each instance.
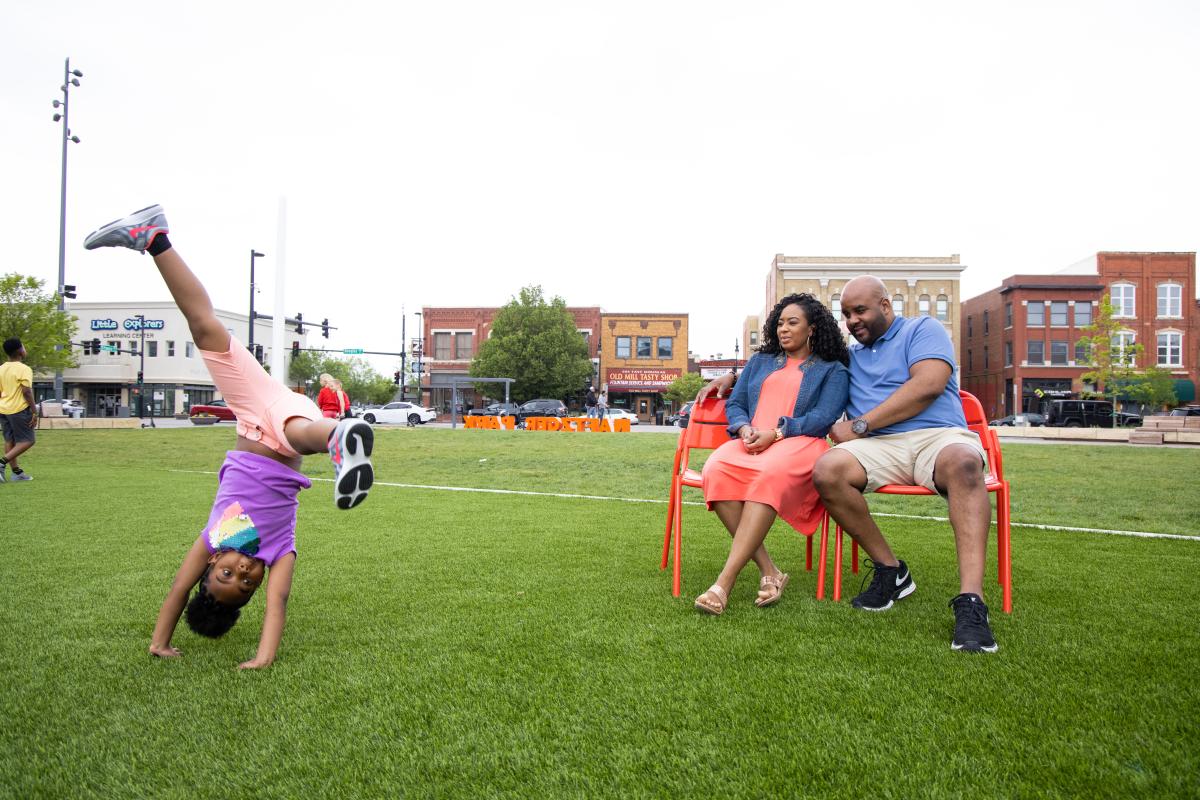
(535, 343)
(31, 314)
(684, 388)
(359, 379)
(1112, 366)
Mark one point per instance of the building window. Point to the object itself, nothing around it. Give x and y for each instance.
(189, 349)
(441, 346)
(970, 361)
(1035, 314)
(587, 339)
(1058, 313)
(151, 349)
(923, 305)
(943, 308)
(970, 327)
(985, 323)
(1122, 296)
(985, 357)
(898, 305)
(462, 346)
(643, 347)
(1170, 300)
(623, 347)
(1082, 352)
(754, 338)
(1058, 352)
(116, 345)
(666, 346)
(1008, 315)
(1170, 349)
(1122, 347)
(1008, 354)
(1083, 314)
(835, 305)
(1035, 352)
(170, 349)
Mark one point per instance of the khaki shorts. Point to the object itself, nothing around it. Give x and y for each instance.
(907, 458)
(261, 404)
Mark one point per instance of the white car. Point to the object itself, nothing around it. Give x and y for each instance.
(612, 414)
(400, 414)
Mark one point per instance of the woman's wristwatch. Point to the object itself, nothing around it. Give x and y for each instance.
(778, 434)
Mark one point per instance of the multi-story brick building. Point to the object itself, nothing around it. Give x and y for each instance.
(451, 337)
(1022, 340)
(641, 355)
(917, 285)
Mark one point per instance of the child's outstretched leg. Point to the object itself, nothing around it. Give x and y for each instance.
(271, 420)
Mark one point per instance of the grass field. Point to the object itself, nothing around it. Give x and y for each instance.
(459, 644)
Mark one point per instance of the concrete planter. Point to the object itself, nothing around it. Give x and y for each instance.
(204, 420)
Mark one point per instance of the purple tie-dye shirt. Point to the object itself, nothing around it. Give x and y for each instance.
(255, 508)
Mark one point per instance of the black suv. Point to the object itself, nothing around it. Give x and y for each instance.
(541, 408)
(497, 410)
(1087, 414)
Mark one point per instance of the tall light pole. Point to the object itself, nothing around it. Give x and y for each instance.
(737, 355)
(420, 348)
(70, 78)
(142, 373)
(250, 339)
(403, 350)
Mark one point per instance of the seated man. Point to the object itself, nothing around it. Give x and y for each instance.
(905, 426)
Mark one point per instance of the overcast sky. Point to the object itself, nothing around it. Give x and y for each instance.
(640, 156)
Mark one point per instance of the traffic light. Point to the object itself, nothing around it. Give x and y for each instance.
(396, 378)
(295, 349)
(140, 377)
(325, 327)
(299, 323)
(96, 346)
(68, 291)
(258, 353)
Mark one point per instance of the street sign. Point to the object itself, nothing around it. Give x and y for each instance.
(352, 351)
(108, 348)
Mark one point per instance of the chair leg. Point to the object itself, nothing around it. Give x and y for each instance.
(808, 555)
(677, 578)
(1004, 538)
(837, 563)
(854, 556)
(671, 513)
(821, 562)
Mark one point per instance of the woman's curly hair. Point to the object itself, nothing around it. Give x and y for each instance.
(208, 617)
(827, 341)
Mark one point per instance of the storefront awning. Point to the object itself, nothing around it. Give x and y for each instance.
(1185, 390)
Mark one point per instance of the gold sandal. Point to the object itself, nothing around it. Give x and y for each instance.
(709, 607)
(772, 587)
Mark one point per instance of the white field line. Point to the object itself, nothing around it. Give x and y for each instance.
(1013, 523)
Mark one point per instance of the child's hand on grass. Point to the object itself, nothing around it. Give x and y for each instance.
(255, 663)
(164, 651)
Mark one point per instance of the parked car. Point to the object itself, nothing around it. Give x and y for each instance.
(496, 410)
(1029, 418)
(1186, 411)
(217, 408)
(70, 408)
(399, 413)
(541, 407)
(613, 414)
(1088, 414)
(685, 413)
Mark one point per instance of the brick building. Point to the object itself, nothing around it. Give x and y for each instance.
(1021, 340)
(641, 355)
(451, 338)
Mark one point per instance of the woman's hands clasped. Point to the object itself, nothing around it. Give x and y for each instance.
(756, 440)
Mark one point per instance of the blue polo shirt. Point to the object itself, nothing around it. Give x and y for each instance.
(879, 370)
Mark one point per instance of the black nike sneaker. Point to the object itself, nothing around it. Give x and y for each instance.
(888, 585)
(971, 630)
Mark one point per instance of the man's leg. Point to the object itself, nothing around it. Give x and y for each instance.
(958, 474)
(840, 480)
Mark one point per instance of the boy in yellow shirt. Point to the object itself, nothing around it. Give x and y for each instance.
(17, 415)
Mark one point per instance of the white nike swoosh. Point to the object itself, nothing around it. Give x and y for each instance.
(901, 578)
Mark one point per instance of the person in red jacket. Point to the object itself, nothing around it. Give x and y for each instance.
(327, 398)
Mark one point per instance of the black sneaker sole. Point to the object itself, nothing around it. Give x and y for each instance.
(974, 647)
(905, 592)
(353, 485)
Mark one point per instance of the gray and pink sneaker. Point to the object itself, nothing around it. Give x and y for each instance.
(350, 451)
(135, 231)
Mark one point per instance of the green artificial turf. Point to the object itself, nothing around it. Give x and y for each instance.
(452, 644)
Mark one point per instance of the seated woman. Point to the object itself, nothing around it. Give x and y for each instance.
(787, 398)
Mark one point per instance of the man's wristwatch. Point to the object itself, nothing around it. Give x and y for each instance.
(859, 426)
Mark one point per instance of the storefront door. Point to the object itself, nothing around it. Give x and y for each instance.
(643, 409)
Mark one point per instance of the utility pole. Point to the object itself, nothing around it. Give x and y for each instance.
(142, 374)
(70, 78)
(403, 350)
(250, 339)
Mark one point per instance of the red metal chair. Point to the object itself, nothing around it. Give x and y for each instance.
(706, 430)
(976, 421)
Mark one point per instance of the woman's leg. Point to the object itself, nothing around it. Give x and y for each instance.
(754, 523)
(207, 331)
(730, 513)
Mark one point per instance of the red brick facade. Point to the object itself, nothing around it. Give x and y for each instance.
(1005, 366)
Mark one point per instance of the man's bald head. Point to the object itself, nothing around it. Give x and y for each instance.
(866, 308)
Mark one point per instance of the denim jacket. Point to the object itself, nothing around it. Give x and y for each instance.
(823, 395)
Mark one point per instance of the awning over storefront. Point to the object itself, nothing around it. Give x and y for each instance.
(1185, 390)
